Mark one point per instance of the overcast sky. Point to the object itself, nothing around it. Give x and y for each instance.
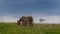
(12, 10)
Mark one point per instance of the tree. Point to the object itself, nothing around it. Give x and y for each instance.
(41, 20)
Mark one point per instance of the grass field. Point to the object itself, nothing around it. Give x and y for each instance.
(13, 28)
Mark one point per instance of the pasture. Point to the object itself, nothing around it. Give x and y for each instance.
(13, 28)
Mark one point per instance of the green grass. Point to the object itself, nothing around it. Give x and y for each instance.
(13, 28)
